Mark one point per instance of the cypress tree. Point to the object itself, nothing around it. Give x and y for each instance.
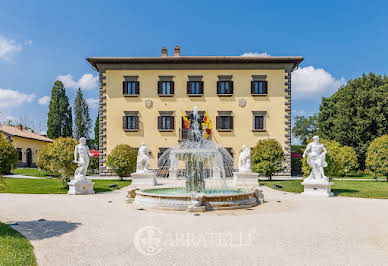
(59, 120)
(97, 132)
(82, 121)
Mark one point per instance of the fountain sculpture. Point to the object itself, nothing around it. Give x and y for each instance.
(317, 184)
(79, 185)
(195, 175)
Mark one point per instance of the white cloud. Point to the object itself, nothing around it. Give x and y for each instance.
(86, 82)
(92, 102)
(28, 43)
(8, 48)
(253, 54)
(44, 100)
(298, 112)
(10, 99)
(309, 82)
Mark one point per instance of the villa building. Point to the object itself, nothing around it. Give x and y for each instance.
(143, 99)
(27, 143)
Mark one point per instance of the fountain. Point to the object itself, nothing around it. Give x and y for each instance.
(195, 175)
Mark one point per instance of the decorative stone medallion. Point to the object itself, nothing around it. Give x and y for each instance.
(148, 103)
(242, 102)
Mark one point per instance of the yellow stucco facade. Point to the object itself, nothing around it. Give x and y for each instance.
(275, 105)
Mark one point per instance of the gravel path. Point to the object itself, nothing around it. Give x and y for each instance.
(103, 229)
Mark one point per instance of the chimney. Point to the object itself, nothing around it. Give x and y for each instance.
(164, 51)
(20, 127)
(177, 51)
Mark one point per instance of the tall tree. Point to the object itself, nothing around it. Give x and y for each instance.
(356, 114)
(59, 118)
(97, 132)
(305, 128)
(82, 121)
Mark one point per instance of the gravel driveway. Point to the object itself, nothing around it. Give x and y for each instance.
(103, 229)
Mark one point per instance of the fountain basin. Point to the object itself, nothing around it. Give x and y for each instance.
(176, 198)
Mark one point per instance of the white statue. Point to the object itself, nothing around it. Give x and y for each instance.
(244, 161)
(143, 159)
(81, 157)
(316, 159)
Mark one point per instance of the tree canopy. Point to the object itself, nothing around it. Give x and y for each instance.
(356, 114)
(305, 127)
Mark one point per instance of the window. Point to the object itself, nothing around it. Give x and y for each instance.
(194, 88)
(224, 123)
(166, 88)
(166, 123)
(259, 87)
(20, 154)
(225, 87)
(258, 121)
(131, 121)
(131, 88)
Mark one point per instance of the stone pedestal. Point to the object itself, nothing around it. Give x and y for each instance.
(143, 178)
(80, 187)
(317, 188)
(245, 179)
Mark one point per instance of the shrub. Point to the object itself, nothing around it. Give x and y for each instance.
(122, 160)
(57, 158)
(268, 158)
(296, 166)
(377, 157)
(335, 162)
(8, 156)
(2, 182)
(296, 163)
(94, 163)
(349, 158)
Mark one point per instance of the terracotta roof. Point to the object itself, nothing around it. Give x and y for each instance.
(195, 60)
(15, 131)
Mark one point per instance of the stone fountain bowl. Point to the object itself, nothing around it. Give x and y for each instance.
(175, 198)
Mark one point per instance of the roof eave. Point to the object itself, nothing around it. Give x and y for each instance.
(94, 61)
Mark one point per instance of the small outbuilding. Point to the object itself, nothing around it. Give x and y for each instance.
(27, 143)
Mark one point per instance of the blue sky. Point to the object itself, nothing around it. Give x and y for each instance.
(41, 40)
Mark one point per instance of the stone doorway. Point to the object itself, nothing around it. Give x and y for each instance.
(29, 157)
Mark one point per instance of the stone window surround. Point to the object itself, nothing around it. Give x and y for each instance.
(131, 78)
(131, 113)
(170, 114)
(227, 78)
(259, 113)
(260, 78)
(168, 78)
(225, 113)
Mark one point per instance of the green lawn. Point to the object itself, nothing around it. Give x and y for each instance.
(30, 172)
(53, 186)
(15, 249)
(359, 189)
(38, 173)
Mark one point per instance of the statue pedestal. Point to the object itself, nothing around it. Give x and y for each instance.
(143, 178)
(247, 178)
(317, 188)
(80, 187)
